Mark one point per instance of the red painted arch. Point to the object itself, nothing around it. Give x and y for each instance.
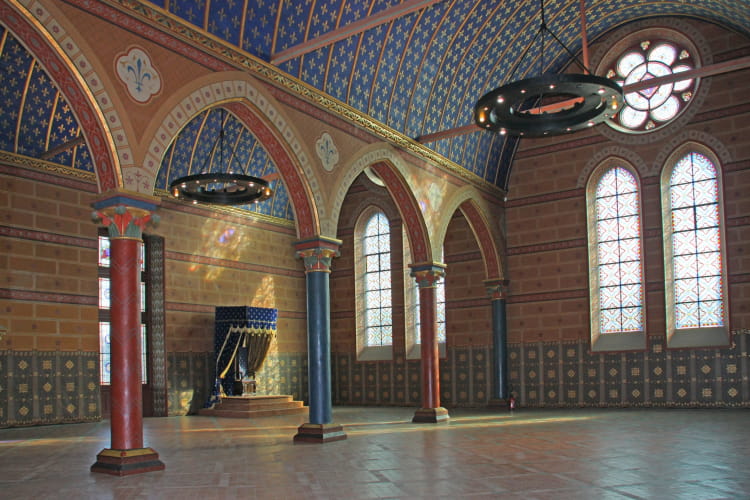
(484, 238)
(306, 217)
(411, 214)
(83, 108)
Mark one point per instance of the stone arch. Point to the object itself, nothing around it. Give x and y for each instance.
(690, 136)
(465, 200)
(609, 152)
(89, 103)
(261, 114)
(386, 163)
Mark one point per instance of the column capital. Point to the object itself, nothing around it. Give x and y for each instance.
(497, 289)
(125, 214)
(124, 221)
(317, 253)
(427, 274)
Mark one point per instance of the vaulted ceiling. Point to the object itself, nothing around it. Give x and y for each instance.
(417, 66)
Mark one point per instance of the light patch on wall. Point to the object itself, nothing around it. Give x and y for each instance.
(219, 241)
(265, 295)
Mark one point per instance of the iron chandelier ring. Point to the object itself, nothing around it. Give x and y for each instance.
(233, 189)
(591, 99)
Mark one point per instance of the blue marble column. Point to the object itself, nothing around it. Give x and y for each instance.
(498, 291)
(317, 255)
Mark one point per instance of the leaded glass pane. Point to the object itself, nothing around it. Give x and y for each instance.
(687, 315)
(376, 245)
(686, 290)
(631, 319)
(707, 239)
(705, 192)
(631, 295)
(609, 274)
(372, 263)
(682, 196)
(606, 207)
(683, 219)
(607, 230)
(104, 251)
(610, 320)
(709, 264)
(712, 313)
(144, 357)
(685, 266)
(650, 108)
(710, 288)
(105, 353)
(618, 251)
(630, 273)
(632, 118)
(104, 293)
(630, 250)
(629, 227)
(707, 215)
(696, 243)
(664, 53)
(627, 204)
(609, 297)
(628, 62)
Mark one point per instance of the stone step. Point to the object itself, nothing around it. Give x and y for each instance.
(255, 406)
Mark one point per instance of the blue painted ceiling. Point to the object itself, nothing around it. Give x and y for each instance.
(418, 73)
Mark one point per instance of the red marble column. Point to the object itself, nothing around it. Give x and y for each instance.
(126, 396)
(125, 224)
(427, 277)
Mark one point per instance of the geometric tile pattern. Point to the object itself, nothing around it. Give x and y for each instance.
(560, 375)
(41, 387)
(708, 377)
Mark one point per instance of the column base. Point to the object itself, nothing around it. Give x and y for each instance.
(431, 415)
(319, 433)
(127, 462)
(500, 404)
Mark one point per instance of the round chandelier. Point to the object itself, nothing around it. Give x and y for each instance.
(550, 104)
(220, 188)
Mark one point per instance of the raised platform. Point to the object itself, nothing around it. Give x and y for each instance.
(255, 406)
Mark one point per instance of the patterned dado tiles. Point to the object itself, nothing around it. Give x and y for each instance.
(39, 387)
(708, 377)
(560, 374)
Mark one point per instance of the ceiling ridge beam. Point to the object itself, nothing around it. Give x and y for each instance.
(351, 29)
(710, 70)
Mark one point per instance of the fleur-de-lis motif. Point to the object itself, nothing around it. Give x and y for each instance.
(138, 74)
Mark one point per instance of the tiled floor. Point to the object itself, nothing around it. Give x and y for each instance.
(570, 454)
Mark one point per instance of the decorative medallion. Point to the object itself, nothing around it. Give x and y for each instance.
(327, 151)
(138, 74)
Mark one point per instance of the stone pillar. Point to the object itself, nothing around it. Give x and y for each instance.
(317, 255)
(125, 218)
(498, 291)
(427, 276)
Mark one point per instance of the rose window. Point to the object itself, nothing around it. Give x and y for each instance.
(647, 109)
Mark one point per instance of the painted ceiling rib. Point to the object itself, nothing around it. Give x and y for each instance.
(351, 29)
(711, 70)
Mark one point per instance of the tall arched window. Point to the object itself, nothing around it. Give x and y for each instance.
(695, 287)
(373, 286)
(615, 259)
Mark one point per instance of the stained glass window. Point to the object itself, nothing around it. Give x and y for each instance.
(696, 243)
(377, 256)
(104, 312)
(440, 312)
(618, 252)
(647, 109)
